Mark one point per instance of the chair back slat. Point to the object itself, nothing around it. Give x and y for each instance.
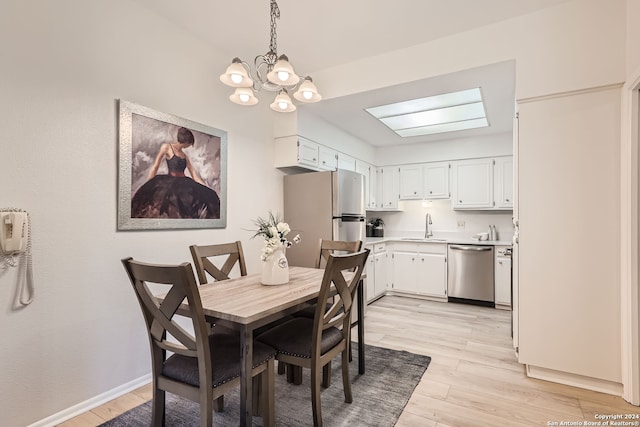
(204, 264)
(335, 247)
(342, 273)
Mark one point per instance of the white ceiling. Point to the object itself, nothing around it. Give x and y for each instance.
(322, 34)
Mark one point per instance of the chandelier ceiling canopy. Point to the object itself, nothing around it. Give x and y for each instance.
(272, 73)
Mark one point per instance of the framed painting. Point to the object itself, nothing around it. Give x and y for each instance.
(173, 172)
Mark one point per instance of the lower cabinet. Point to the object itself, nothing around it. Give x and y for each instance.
(420, 269)
(502, 270)
(376, 279)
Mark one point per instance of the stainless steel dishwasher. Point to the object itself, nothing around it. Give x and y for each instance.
(470, 274)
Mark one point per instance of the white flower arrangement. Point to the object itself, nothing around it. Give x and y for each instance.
(274, 230)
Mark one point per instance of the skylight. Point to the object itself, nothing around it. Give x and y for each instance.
(434, 114)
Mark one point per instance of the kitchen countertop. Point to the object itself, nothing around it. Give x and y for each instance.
(441, 240)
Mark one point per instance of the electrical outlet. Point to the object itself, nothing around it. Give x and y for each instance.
(460, 225)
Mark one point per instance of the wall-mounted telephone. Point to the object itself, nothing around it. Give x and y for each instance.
(13, 232)
(15, 249)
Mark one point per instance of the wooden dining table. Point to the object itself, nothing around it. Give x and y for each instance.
(245, 304)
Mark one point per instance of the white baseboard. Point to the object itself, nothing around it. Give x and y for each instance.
(94, 402)
(574, 380)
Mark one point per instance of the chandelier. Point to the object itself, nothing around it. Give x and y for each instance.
(272, 73)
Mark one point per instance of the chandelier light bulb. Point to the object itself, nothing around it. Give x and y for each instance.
(307, 92)
(243, 96)
(236, 78)
(282, 103)
(283, 76)
(236, 75)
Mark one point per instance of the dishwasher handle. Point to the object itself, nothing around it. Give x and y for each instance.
(476, 248)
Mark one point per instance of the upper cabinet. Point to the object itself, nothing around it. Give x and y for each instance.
(436, 180)
(504, 182)
(346, 162)
(328, 158)
(410, 178)
(424, 181)
(388, 190)
(472, 184)
(482, 183)
(369, 172)
(294, 151)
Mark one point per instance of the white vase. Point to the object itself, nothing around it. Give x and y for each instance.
(275, 269)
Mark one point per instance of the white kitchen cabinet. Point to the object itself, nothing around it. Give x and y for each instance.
(504, 182)
(368, 171)
(472, 184)
(369, 274)
(328, 158)
(346, 162)
(381, 277)
(502, 277)
(432, 274)
(405, 271)
(420, 268)
(295, 150)
(388, 187)
(436, 180)
(410, 182)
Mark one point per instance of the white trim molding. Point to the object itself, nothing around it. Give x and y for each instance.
(629, 239)
(94, 402)
(595, 384)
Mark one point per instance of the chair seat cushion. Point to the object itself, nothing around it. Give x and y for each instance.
(294, 338)
(225, 352)
(310, 312)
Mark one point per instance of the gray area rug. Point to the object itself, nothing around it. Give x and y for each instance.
(379, 396)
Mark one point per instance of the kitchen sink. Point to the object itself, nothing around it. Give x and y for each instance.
(422, 239)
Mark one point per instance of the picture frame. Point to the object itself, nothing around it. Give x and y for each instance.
(172, 171)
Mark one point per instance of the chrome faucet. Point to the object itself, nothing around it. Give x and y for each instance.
(427, 229)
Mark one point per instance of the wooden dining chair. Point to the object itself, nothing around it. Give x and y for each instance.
(227, 256)
(313, 343)
(204, 257)
(203, 367)
(325, 248)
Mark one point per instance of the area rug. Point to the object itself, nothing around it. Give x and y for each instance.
(379, 396)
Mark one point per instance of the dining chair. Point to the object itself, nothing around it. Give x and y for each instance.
(204, 256)
(325, 248)
(227, 256)
(203, 366)
(314, 343)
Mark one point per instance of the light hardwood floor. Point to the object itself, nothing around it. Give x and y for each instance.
(473, 379)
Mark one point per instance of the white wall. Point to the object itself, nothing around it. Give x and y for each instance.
(633, 36)
(63, 65)
(574, 45)
(454, 149)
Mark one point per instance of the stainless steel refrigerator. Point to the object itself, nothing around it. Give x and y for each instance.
(323, 205)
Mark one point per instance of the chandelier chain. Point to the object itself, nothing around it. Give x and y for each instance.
(275, 15)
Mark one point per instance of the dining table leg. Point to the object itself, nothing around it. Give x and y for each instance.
(246, 380)
(360, 327)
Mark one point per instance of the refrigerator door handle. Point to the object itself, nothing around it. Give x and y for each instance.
(351, 218)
